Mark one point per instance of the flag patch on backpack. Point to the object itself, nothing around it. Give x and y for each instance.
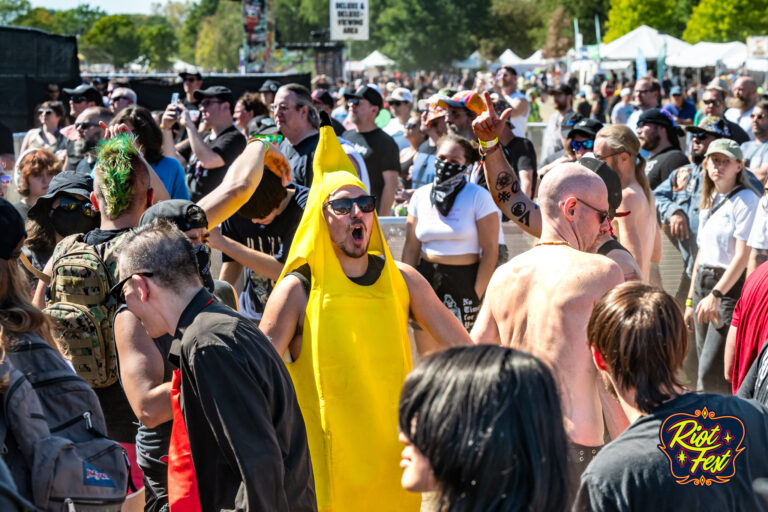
(94, 476)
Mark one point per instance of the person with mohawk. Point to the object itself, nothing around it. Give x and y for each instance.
(348, 374)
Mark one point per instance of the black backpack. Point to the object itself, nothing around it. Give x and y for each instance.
(52, 433)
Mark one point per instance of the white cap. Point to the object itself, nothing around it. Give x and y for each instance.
(625, 92)
(401, 94)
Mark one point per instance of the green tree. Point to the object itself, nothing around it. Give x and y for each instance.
(172, 11)
(12, 9)
(584, 11)
(38, 18)
(506, 31)
(114, 35)
(219, 38)
(78, 20)
(627, 15)
(193, 24)
(158, 45)
(727, 21)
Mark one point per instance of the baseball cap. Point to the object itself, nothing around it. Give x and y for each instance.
(182, 212)
(719, 84)
(561, 89)
(586, 126)
(626, 91)
(401, 94)
(89, 92)
(215, 91)
(69, 182)
(609, 176)
(12, 227)
(191, 72)
(569, 119)
(674, 91)
(712, 125)
(367, 92)
(434, 110)
(469, 100)
(269, 86)
(323, 96)
(727, 147)
(656, 116)
(261, 125)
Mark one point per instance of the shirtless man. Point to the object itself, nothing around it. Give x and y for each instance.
(638, 231)
(513, 202)
(541, 301)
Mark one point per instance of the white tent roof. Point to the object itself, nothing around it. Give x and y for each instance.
(376, 60)
(509, 58)
(179, 66)
(646, 38)
(702, 55)
(474, 61)
(535, 59)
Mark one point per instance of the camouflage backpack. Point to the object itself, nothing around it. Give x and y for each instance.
(78, 300)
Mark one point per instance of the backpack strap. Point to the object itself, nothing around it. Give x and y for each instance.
(33, 270)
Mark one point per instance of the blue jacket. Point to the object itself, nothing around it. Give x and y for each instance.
(684, 194)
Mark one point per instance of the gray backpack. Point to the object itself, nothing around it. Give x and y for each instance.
(52, 433)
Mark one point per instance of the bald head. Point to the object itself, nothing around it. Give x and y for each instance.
(745, 91)
(570, 180)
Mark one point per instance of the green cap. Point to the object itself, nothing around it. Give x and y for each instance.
(727, 147)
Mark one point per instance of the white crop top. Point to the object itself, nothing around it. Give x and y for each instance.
(456, 233)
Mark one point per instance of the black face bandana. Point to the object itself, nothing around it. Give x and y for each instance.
(449, 180)
(203, 256)
(70, 222)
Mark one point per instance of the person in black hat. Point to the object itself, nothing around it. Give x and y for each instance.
(268, 90)
(64, 210)
(658, 134)
(379, 150)
(578, 136)
(80, 98)
(207, 156)
(191, 81)
(324, 101)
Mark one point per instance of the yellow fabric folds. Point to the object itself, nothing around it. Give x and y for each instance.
(354, 358)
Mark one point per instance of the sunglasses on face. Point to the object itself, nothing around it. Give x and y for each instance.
(411, 126)
(395, 103)
(77, 99)
(700, 137)
(711, 102)
(118, 292)
(115, 99)
(603, 214)
(758, 116)
(45, 111)
(70, 205)
(208, 103)
(343, 206)
(271, 137)
(353, 101)
(85, 126)
(192, 79)
(576, 145)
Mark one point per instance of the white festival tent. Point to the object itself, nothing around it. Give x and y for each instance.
(649, 40)
(376, 60)
(474, 61)
(704, 55)
(509, 58)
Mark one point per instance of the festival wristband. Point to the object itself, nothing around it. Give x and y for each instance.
(487, 144)
(254, 139)
(689, 303)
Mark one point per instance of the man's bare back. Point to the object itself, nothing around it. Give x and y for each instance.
(540, 302)
(637, 231)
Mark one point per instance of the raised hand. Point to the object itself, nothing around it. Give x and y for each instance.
(488, 126)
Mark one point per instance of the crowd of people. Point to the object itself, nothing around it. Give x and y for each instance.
(216, 303)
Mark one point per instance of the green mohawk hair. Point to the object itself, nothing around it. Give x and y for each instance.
(115, 160)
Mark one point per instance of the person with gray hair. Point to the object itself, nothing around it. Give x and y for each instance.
(298, 121)
(121, 97)
(246, 436)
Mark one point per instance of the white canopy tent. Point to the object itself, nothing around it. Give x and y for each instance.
(376, 60)
(474, 61)
(509, 58)
(703, 55)
(648, 39)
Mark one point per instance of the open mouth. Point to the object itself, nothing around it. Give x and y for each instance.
(357, 233)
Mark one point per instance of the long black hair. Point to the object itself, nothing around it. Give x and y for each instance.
(489, 421)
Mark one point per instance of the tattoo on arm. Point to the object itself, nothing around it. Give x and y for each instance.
(515, 187)
(504, 196)
(503, 180)
(520, 210)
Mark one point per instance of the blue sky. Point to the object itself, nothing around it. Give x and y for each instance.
(110, 6)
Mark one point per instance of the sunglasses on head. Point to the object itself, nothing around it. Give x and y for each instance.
(603, 214)
(585, 144)
(85, 126)
(343, 206)
(77, 99)
(45, 111)
(70, 205)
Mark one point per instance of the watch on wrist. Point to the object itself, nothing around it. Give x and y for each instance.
(717, 293)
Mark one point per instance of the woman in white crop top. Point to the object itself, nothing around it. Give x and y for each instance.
(728, 207)
(453, 232)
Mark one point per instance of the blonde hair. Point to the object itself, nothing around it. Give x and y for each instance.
(708, 186)
(620, 137)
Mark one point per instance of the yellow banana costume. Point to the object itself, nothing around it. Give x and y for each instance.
(354, 358)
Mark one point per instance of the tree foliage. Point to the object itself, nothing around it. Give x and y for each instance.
(193, 24)
(627, 15)
(12, 9)
(727, 21)
(158, 45)
(219, 37)
(115, 35)
(506, 31)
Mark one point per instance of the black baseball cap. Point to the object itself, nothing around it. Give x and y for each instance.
(89, 92)
(323, 96)
(569, 119)
(182, 212)
(610, 177)
(215, 91)
(12, 227)
(586, 126)
(269, 86)
(67, 182)
(261, 125)
(367, 92)
(196, 74)
(656, 116)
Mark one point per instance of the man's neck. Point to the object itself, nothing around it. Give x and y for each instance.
(552, 232)
(404, 117)
(352, 267)
(509, 89)
(125, 221)
(661, 147)
(296, 137)
(761, 138)
(365, 127)
(174, 305)
(218, 128)
(748, 106)
(191, 97)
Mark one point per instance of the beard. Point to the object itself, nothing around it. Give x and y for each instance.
(467, 134)
(649, 142)
(698, 157)
(354, 251)
(84, 146)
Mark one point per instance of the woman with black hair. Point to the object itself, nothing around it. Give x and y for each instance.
(140, 121)
(483, 427)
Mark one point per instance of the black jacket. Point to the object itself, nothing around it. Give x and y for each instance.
(246, 433)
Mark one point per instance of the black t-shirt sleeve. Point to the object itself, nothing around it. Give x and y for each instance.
(390, 154)
(229, 145)
(6, 140)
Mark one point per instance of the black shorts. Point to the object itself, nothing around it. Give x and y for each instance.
(455, 287)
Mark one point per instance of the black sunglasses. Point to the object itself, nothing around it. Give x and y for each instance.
(115, 99)
(353, 101)
(711, 102)
(117, 290)
(700, 136)
(603, 213)
(77, 99)
(343, 206)
(69, 205)
(44, 111)
(395, 103)
(85, 126)
(578, 144)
